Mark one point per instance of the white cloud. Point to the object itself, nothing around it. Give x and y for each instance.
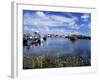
(88, 26)
(85, 17)
(73, 25)
(61, 19)
(41, 14)
(41, 19)
(58, 31)
(71, 32)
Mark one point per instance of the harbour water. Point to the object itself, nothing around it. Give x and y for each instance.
(60, 46)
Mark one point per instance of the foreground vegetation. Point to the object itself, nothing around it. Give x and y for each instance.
(53, 61)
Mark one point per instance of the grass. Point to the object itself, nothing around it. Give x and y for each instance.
(53, 61)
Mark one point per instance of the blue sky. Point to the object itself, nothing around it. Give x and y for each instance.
(66, 23)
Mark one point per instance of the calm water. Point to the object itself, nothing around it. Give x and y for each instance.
(60, 46)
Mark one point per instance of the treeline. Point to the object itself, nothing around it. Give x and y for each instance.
(79, 37)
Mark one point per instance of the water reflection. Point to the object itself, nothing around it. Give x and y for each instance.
(60, 46)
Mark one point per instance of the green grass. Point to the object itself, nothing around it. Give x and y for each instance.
(53, 61)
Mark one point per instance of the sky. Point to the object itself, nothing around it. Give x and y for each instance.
(66, 23)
